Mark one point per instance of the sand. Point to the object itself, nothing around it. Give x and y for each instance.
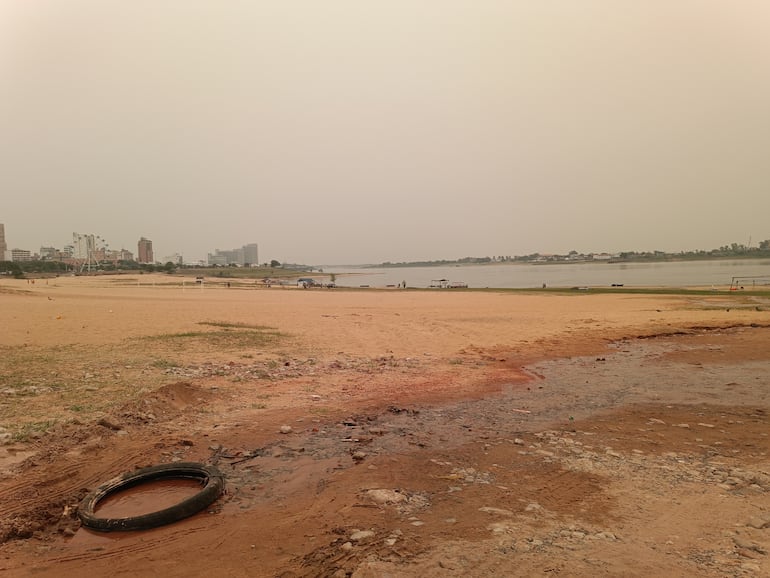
(449, 399)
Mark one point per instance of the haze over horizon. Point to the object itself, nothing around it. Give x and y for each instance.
(351, 132)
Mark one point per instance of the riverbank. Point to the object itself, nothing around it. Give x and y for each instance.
(434, 433)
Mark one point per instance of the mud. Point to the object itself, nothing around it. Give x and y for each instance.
(648, 457)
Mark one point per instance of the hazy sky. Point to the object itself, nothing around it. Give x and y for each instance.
(353, 131)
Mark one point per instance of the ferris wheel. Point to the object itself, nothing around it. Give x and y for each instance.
(91, 249)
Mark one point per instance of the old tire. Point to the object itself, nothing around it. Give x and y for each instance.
(213, 486)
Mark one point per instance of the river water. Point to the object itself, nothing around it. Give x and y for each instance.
(659, 274)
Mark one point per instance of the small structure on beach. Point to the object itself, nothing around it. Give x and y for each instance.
(446, 284)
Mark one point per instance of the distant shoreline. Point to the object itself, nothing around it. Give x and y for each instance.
(667, 259)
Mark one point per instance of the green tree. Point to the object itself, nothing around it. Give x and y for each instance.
(275, 264)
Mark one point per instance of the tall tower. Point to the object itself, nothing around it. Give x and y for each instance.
(251, 254)
(3, 246)
(145, 251)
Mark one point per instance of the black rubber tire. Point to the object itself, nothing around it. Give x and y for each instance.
(213, 486)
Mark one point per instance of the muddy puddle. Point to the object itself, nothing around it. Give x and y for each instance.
(136, 501)
(146, 498)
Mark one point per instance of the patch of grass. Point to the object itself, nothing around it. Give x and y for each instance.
(229, 325)
(31, 430)
(225, 339)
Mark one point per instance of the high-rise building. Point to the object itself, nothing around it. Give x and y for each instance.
(21, 255)
(84, 246)
(3, 245)
(250, 254)
(145, 251)
(49, 253)
(247, 254)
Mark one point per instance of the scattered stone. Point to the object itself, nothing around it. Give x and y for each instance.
(498, 528)
(706, 425)
(104, 422)
(361, 535)
(499, 511)
(359, 456)
(346, 547)
(759, 523)
(418, 523)
(747, 545)
(518, 442)
(285, 429)
(384, 496)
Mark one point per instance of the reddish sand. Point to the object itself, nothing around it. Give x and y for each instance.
(432, 420)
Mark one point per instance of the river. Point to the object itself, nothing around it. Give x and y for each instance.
(514, 275)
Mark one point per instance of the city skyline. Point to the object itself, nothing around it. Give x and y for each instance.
(86, 246)
(92, 248)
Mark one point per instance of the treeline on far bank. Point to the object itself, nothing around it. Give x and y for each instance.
(732, 251)
(19, 269)
(48, 268)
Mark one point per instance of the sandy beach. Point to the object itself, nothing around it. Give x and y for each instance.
(388, 432)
